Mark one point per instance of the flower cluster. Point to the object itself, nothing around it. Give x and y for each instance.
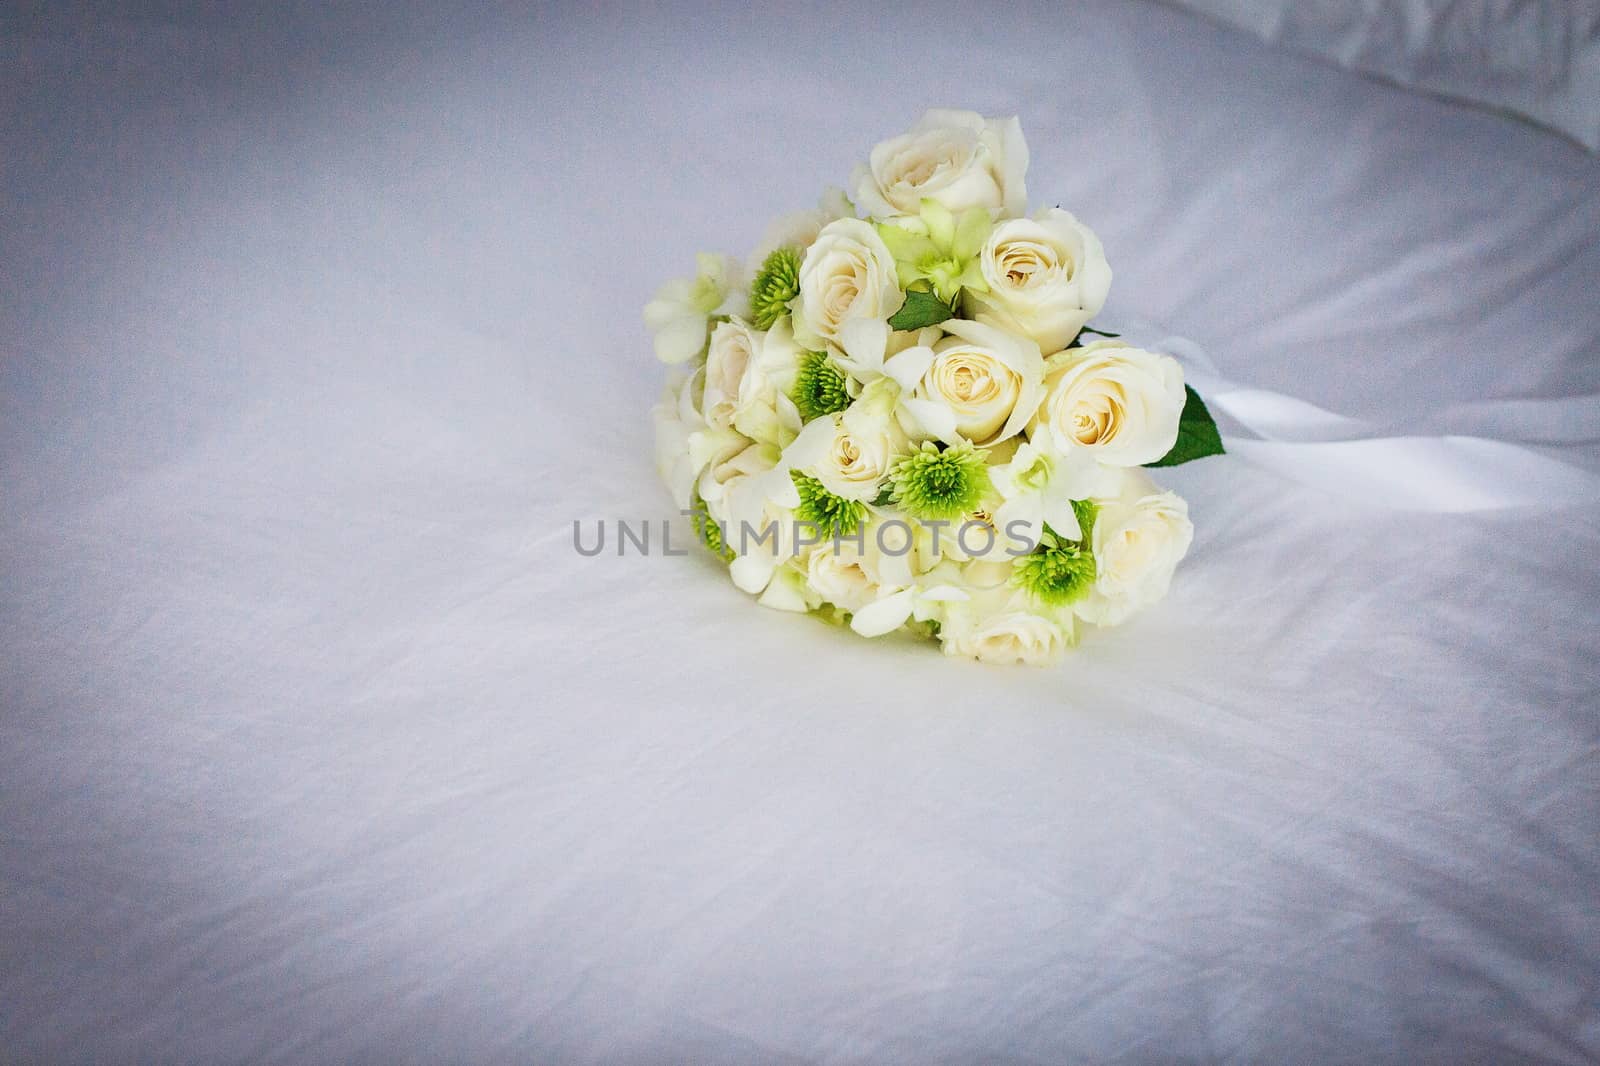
(904, 420)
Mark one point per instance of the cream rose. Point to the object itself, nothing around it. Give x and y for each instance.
(1047, 277)
(854, 571)
(1139, 538)
(980, 383)
(724, 474)
(999, 626)
(733, 349)
(957, 158)
(846, 274)
(748, 375)
(849, 452)
(1121, 403)
(1013, 637)
(763, 410)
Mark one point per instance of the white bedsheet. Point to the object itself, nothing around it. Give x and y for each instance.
(318, 741)
(1539, 59)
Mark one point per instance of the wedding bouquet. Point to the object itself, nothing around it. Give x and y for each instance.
(905, 420)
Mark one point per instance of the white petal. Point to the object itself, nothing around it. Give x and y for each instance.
(1027, 509)
(780, 355)
(786, 593)
(707, 445)
(1010, 348)
(865, 340)
(867, 194)
(670, 300)
(942, 117)
(884, 616)
(1015, 150)
(680, 338)
(893, 570)
(753, 572)
(1062, 518)
(812, 444)
(907, 367)
(935, 419)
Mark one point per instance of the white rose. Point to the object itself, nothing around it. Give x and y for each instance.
(1121, 403)
(1139, 538)
(852, 572)
(981, 383)
(764, 410)
(839, 578)
(1012, 637)
(685, 444)
(846, 274)
(1000, 626)
(1047, 277)
(850, 452)
(724, 474)
(958, 158)
(734, 349)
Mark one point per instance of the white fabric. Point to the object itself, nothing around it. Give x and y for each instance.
(319, 742)
(1341, 457)
(1537, 58)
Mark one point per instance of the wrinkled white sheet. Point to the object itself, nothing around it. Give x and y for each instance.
(318, 742)
(1540, 59)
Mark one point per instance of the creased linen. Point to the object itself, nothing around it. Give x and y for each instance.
(319, 742)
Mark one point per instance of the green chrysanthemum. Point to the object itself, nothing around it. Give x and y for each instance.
(820, 388)
(833, 515)
(1057, 574)
(709, 532)
(776, 283)
(931, 484)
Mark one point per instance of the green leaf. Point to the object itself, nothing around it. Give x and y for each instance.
(1197, 433)
(921, 309)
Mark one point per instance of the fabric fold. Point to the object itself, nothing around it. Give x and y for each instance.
(1454, 472)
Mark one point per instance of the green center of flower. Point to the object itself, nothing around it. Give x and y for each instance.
(1057, 574)
(939, 248)
(834, 516)
(930, 483)
(707, 294)
(776, 283)
(820, 388)
(709, 532)
(1036, 475)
